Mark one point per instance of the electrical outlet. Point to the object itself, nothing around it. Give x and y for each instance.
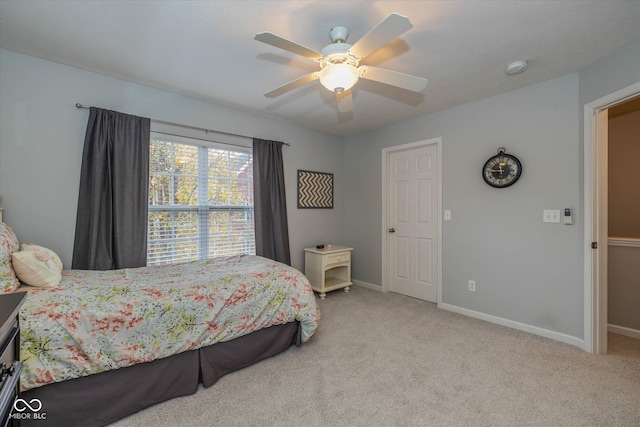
(472, 285)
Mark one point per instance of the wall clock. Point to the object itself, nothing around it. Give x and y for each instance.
(502, 170)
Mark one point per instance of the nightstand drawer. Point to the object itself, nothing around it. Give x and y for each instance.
(328, 268)
(8, 345)
(10, 365)
(339, 257)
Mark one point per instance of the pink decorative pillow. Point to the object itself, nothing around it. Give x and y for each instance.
(8, 245)
(37, 266)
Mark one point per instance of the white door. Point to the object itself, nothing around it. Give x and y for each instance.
(413, 222)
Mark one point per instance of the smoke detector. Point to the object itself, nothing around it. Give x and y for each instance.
(516, 67)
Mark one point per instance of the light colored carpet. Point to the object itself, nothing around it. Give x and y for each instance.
(388, 360)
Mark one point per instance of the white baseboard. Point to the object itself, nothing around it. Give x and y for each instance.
(621, 330)
(568, 339)
(367, 285)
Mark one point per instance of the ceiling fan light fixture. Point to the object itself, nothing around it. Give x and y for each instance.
(339, 77)
(339, 61)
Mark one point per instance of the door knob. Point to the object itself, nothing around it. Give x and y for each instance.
(392, 230)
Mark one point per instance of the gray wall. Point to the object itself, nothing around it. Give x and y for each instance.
(42, 133)
(612, 73)
(526, 271)
(538, 280)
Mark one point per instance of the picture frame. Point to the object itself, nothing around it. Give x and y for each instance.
(315, 190)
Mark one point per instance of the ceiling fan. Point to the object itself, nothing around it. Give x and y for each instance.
(339, 61)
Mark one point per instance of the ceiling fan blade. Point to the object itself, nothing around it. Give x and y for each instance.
(393, 78)
(292, 85)
(381, 34)
(345, 101)
(277, 41)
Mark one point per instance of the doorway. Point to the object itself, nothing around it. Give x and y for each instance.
(411, 220)
(596, 216)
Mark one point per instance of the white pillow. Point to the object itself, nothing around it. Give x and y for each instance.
(37, 248)
(37, 266)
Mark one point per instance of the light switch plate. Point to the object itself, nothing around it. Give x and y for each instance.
(447, 215)
(551, 215)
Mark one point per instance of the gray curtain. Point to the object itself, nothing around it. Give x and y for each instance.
(270, 203)
(111, 223)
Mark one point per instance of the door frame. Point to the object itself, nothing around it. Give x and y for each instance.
(386, 155)
(596, 216)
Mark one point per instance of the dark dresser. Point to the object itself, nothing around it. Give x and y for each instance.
(10, 365)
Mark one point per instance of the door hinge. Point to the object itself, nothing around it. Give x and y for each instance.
(594, 245)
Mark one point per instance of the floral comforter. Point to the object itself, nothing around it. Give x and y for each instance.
(97, 321)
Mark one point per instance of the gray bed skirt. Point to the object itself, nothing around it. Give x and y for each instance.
(100, 399)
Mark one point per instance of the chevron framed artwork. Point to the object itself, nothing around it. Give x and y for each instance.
(315, 190)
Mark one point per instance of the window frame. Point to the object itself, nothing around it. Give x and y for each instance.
(203, 211)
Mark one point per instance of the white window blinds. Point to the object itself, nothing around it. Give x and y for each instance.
(200, 200)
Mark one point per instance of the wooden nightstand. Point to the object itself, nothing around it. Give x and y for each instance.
(328, 269)
(10, 365)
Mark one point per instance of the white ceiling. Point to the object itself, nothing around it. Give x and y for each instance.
(205, 49)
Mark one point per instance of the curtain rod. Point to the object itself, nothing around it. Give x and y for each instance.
(78, 105)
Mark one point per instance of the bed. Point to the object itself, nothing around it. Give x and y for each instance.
(102, 345)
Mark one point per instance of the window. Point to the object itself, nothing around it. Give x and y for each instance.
(200, 200)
